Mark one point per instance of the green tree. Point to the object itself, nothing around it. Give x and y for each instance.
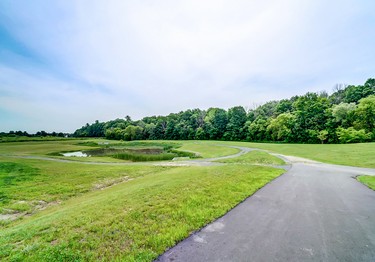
(344, 113)
(132, 133)
(350, 135)
(257, 130)
(311, 116)
(236, 121)
(323, 135)
(280, 128)
(365, 113)
(216, 120)
(356, 93)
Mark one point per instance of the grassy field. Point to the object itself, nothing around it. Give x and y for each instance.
(368, 181)
(361, 155)
(25, 184)
(208, 149)
(123, 211)
(255, 158)
(87, 211)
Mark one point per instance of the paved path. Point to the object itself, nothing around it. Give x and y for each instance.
(314, 212)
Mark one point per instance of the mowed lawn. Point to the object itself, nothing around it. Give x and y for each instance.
(130, 212)
(208, 149)
(361, 155)
(368, 181)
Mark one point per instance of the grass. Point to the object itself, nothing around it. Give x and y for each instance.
(368, 181)
(207, 149)
(144, 157)
(255, 158)
(133, 221)
(39, 148)
(32, 181)
(129, 212)
(361, 155)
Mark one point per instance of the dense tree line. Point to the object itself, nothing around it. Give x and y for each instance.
(37, 134)
(346, 116)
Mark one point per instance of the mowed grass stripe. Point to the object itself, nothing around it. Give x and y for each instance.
(133, 221)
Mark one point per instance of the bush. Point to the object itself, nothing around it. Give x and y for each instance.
(350, 135)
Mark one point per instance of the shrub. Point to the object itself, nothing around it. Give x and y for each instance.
(350, 135)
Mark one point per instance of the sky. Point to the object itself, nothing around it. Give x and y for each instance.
(67, 63)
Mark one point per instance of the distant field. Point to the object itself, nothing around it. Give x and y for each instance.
(361, 155)
(122, 211)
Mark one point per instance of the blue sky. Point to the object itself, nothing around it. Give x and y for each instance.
(65, 63)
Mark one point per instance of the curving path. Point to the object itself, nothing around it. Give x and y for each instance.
(314, 212)
(198, 162)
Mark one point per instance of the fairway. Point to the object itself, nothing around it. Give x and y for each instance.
(88, 209)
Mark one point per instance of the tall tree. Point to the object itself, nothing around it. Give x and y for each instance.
(236, 121)
(216, 120)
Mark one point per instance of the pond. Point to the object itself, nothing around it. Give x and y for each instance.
(77, 154)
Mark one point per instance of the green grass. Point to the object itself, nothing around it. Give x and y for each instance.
(368, 181)
(133, 221)
(129, 212)
(361, 155)
(208, 149)
(255, 157)
(35, 180)
(144, 157)
(40, 148)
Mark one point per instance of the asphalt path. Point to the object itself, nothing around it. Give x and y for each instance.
(314, 212)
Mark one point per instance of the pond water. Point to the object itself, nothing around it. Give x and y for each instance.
(77, 154)
(112, 151)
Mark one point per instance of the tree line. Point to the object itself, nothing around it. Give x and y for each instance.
(42, 133)
(345, 116)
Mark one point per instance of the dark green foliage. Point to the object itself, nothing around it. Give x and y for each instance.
(356, 93)
(216, 121)
(236, 121)
(310, 118)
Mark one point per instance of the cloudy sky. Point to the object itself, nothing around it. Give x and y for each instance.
(66, 63)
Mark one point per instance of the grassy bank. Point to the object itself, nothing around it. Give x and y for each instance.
(129, 212)
(26, 183)
(132, 221)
